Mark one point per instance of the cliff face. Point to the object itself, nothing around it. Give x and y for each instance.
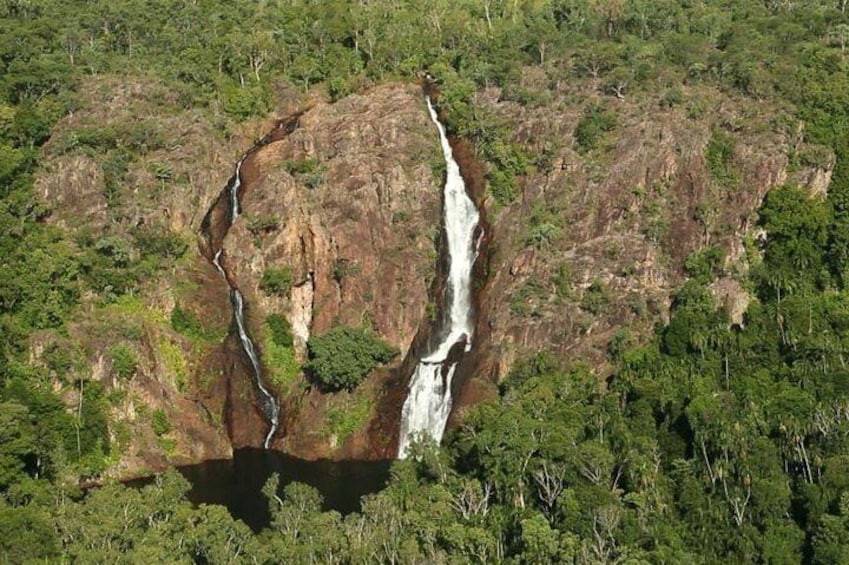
(349, 203)
(355, 205)
(588, 256)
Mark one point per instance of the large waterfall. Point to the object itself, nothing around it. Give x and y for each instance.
(269, 404)
(428, 402)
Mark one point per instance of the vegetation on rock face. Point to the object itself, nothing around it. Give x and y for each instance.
(592, 126)
(124, 361)
(344, 356)
(278, 353)
(711, 444)
(276, 282)
(281, 330)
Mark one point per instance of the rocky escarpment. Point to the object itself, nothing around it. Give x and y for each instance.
(351, 199)
(126, 163)
(585, 259)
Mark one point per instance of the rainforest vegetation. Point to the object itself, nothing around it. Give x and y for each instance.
(713, 443)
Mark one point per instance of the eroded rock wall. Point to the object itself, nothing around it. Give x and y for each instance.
(351, 203)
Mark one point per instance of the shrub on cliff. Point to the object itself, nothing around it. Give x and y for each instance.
(281, 330)
(341, 358)
(276, 281)
(592, 126)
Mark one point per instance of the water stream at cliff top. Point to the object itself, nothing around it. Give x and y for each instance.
(428, 404)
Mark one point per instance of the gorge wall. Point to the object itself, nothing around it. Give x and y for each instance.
(350, 203)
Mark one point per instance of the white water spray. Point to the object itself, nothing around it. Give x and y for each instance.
(428, 402)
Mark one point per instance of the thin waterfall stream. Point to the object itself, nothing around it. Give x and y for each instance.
(428, 403)
(270, 408)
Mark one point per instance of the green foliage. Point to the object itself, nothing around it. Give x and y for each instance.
(189, 324)
(310, 171)
(280, 329)
(159, 422)
(342, 268)
(719, 154)
(592, 127)
(259, 225)
(709, 445)
(563, 280)
(28, 535)
(522, 303)
(705, 264)
(158, 242)
(276, 282)
(596, 298)
(174, 359)
(243, 101)
(278, 352)
(797, 237)
(672, 97)
(343, 357)
(124, 360)
(346, 419)
(544, 226)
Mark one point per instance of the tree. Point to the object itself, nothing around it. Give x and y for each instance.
(341, 358)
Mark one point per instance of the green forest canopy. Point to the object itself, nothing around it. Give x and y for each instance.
(709, 445)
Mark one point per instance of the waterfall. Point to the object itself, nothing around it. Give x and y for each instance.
(269, 404)
(234, 190)
(428, 402)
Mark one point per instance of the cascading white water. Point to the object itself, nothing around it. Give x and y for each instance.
(269, 403)
(234, 190)
(217, 262)
(428, 402)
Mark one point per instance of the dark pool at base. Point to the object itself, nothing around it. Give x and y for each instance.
(237, 483)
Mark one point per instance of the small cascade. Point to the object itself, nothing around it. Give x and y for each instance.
(234, 190)
(428, 403)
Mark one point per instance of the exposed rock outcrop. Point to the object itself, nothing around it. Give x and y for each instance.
(356, 203)
(350, 203)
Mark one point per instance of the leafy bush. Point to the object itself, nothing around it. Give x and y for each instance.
(241, 101)
(159, 242)
(280, 329)
(592, 126)
(344, 420)
(563, 280)
(276, 282)
(522, 301)
(124, 360)
(673, 97)
(263, 224)
(310, 171)
(342, 268)
(159, 422)
(187, 323)
(341, 358)
(720, 150)
(705, 263)
(545, 225)
(596, 298)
